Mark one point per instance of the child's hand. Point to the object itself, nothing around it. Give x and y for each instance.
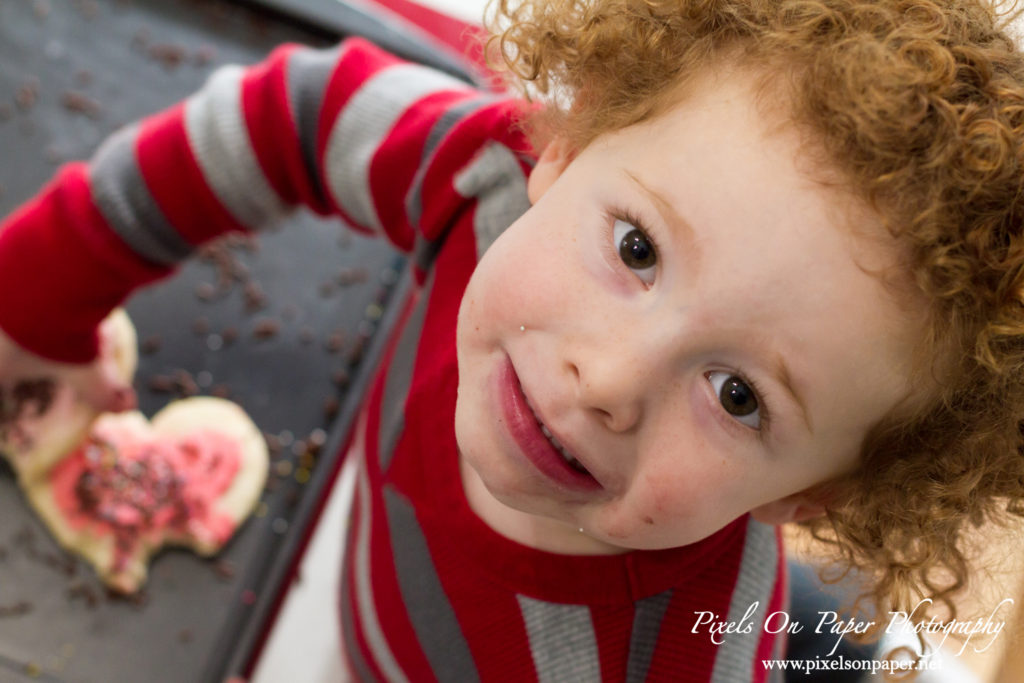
(30, 383)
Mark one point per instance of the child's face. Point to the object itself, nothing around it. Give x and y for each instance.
(642, 360)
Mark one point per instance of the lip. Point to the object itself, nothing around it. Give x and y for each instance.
(532, 443)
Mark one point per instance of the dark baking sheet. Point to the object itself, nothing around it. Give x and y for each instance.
(72, 71)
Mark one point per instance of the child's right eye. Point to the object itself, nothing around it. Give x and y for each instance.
(636, 250)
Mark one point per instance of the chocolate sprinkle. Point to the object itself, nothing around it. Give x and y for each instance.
(265, 328)
(151, 344)
(161, 384)
(229, 335)
(224, 569)
(80, 103)
(26, 399)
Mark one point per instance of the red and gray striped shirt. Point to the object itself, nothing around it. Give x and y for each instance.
(429, 592)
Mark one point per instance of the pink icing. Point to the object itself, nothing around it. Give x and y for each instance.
(137, 488)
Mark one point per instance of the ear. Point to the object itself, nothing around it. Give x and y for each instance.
(797, 507)
(553, 160)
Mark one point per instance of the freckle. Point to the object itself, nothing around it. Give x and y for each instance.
(648, 520)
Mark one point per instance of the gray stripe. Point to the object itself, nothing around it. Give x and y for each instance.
(307, 74)
(372, 631)
(646, 629)
(363, 126)
(562, 641)
(424, 251)
(353, 654)
(758, 573)
(220, 141)
(496, 179)
(432, 616)
(120, 193)
(440, 129)
(399, 378)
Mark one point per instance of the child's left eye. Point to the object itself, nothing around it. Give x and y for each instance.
(737, 398)
(635, 249)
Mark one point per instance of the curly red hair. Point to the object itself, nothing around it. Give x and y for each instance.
(919, 105)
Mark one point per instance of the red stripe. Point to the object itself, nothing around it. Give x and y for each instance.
(175, 180)
(62, 270)
(396, 161)
(493, 624)
(273, 131)
(613, 629)
(462, 40)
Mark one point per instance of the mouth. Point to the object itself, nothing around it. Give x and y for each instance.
(536, 440)
(562, 450)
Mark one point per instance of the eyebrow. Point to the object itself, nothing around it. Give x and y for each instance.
(780, 371)
(670, 216)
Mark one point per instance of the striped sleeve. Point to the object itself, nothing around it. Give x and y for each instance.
(348, 130)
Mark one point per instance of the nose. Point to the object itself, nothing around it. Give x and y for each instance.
(610, 387)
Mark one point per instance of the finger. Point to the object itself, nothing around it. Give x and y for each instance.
(122, 398)
(105, 389)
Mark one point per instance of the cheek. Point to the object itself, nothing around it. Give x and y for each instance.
(659, 506)
(516, 280)
(669, 496)
(680, 500)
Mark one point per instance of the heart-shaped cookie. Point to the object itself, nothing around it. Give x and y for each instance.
(189, 477)
(115, 488)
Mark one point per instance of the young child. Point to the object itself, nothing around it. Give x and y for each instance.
(754, 263)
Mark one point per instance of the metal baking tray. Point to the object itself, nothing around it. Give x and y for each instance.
(287, 325)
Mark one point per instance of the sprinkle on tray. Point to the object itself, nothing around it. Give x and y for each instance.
(265, 328)
(151, 344)
(317, 438)
(205, 291)
(283, 468)
(15, 609)
(229, 335)
(331, 408)
(224, 569)
(80, 103)
(335, 342)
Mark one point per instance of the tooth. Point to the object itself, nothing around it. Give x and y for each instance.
(546, 431)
